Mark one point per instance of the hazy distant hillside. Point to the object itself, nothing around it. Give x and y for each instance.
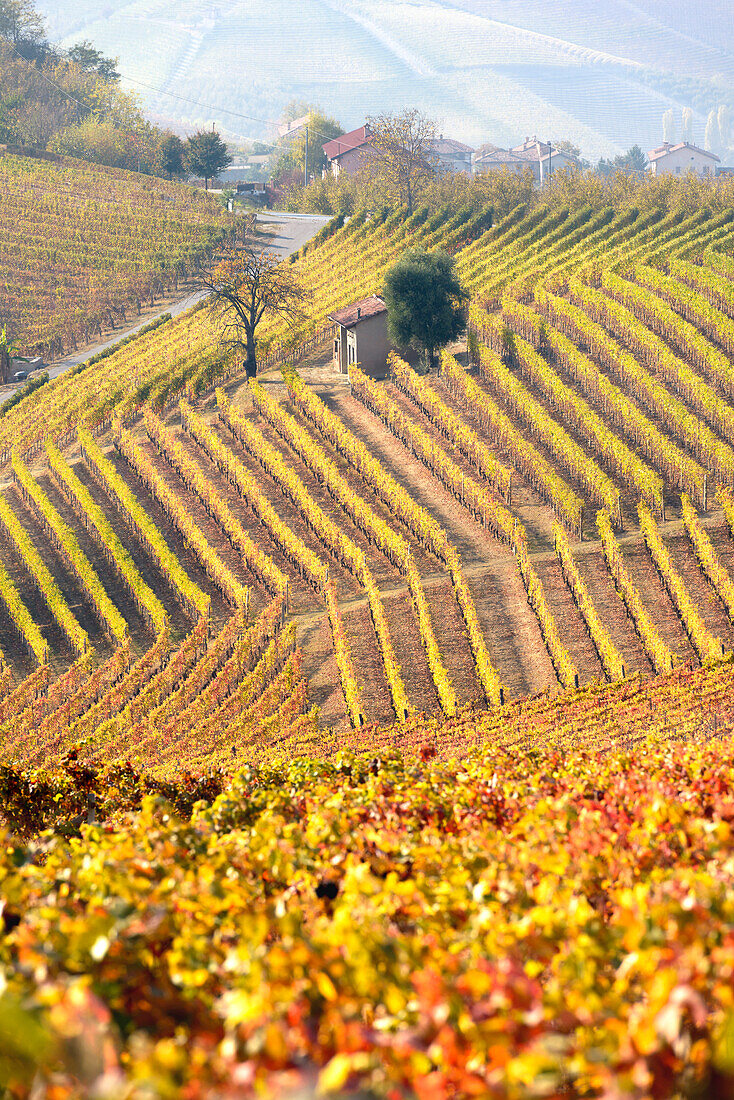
(489, 70)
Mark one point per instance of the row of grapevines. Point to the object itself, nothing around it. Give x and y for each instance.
(65, 541)
(707, 556)
(710, 284)
(344, 660)
(452, 427)
(421, 524)
(18, 699)
(645, 388)
(536, 469)
(623, 461)
(626, 227)
(700, 316)
(676, 465)
(707, 646)
(687, 242)
(267, 709)
(609, 655)
(645, 303)
(52, 734)
(20, 734)
(390, 542)
(548, 431)
(662, 658)
(196, 480)
(306, 561)
(566, 670)
(21, 619)
(430, 534)
(725, 498)
(308, 564)
(218, 714)
(121, 691)
(94, 519)
(250, 641)
(237, 594)
(42, 578)
(21, 728)
(336, 541)
(720, 262)
(104, 472)
(470, 494)
(150, 735)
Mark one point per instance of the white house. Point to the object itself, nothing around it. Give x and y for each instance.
(678, 159)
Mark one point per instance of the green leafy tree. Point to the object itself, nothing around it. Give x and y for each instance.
(566, 146)
(22, 26)
(634, 161)
(687, 125)
(172, 151)
(98, 142)
(425, 302)
(206, 154)
(669, 125)
(90, 60)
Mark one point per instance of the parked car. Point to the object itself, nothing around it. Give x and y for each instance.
(20, 376)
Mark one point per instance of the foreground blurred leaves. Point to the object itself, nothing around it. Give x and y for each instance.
(504, 926)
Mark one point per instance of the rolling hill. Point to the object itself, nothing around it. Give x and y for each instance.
(487, 70)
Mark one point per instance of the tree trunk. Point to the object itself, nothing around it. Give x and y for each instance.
(251, 361)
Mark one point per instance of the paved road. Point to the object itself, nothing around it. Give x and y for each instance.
(290, 231)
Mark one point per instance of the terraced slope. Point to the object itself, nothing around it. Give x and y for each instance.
(85, 245)
(189, 581)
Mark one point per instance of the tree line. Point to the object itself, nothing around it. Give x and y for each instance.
(70, 102)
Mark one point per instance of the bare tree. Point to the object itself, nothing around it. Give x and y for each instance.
(246, 285)
(402, 161)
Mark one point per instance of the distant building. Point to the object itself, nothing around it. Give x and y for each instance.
(490, 158)
(361, 337)
(678, 159)
(541, 157)
(348, 152)
(452, 155)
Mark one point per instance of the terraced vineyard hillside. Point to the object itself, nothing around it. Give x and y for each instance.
(84, 246)
(187, 574)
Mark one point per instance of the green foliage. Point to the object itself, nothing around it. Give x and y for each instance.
(206, 154)
(99, 142)
(22, 26)
(425, 302)
(172, 151)
(90, 60)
